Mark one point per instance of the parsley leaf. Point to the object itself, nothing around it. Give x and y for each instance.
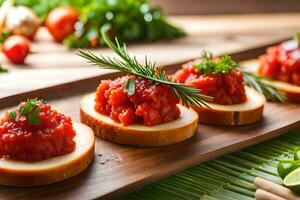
(31, 110)
(208, 65)
(33, 119)
(130, 86)
(12, 115)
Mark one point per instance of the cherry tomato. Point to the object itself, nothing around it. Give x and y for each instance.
(60, 22)
(16, 48)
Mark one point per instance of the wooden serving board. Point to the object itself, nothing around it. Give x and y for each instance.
(118, 169)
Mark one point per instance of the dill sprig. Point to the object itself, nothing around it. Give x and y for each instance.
(29, 109)
(188, 94)
(225, 63)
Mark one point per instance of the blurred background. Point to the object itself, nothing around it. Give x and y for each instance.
(168, 31)
(203, 7)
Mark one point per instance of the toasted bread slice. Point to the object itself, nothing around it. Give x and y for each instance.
(26, 174)
(237, 114)
(138, 135)
(291, 91)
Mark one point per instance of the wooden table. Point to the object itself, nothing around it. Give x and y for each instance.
(52, 63)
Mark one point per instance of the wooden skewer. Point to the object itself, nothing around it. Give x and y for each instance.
(272, 189)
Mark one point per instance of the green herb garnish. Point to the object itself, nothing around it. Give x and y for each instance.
(208, 65)
(260, 84)
(130, 86)
(188, 94)
(31, 110)
(225, 63)
(12, 115)
(131, 20)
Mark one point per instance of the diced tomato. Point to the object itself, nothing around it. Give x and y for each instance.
(151, 103)
(225, 88)
(281, 63)
(52, 137)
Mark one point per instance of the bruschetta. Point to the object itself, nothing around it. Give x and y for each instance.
(39, 146)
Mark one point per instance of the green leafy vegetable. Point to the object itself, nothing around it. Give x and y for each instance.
(260, 84)
(208, 65)
(187, 94)
(130, 86)
(131, 20)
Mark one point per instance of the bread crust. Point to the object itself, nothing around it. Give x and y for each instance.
(28, 178)
(225, 116)
(228, 118)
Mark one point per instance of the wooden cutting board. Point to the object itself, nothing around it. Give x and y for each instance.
(118, 169)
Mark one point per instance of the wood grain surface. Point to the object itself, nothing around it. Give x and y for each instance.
(118, 169)
(52, 63)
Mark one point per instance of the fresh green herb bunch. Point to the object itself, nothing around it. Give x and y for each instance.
(188, 94)
(29, 109)
(131, 20)
(207, 65)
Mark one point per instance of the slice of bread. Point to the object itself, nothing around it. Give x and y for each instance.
(138, 135)
(25, 174)
(237, 114)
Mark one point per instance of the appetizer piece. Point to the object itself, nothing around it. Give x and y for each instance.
(40, 146)
(232, 103)
(142, 108)
(282, 63)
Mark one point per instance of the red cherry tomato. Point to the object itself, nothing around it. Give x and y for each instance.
(16, 48)
(60, 22)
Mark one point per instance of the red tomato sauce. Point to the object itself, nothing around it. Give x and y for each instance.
(225, 88)
(150, 104)
(282, 62)
(52, 137)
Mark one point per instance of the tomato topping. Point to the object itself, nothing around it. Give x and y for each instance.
(52, 136)
(281, 62)
(225, 88)
(16, 48)
(150, 104)
(60, 22)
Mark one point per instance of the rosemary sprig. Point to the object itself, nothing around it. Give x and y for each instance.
(260, 84)
(188, 94)
(225, 63)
